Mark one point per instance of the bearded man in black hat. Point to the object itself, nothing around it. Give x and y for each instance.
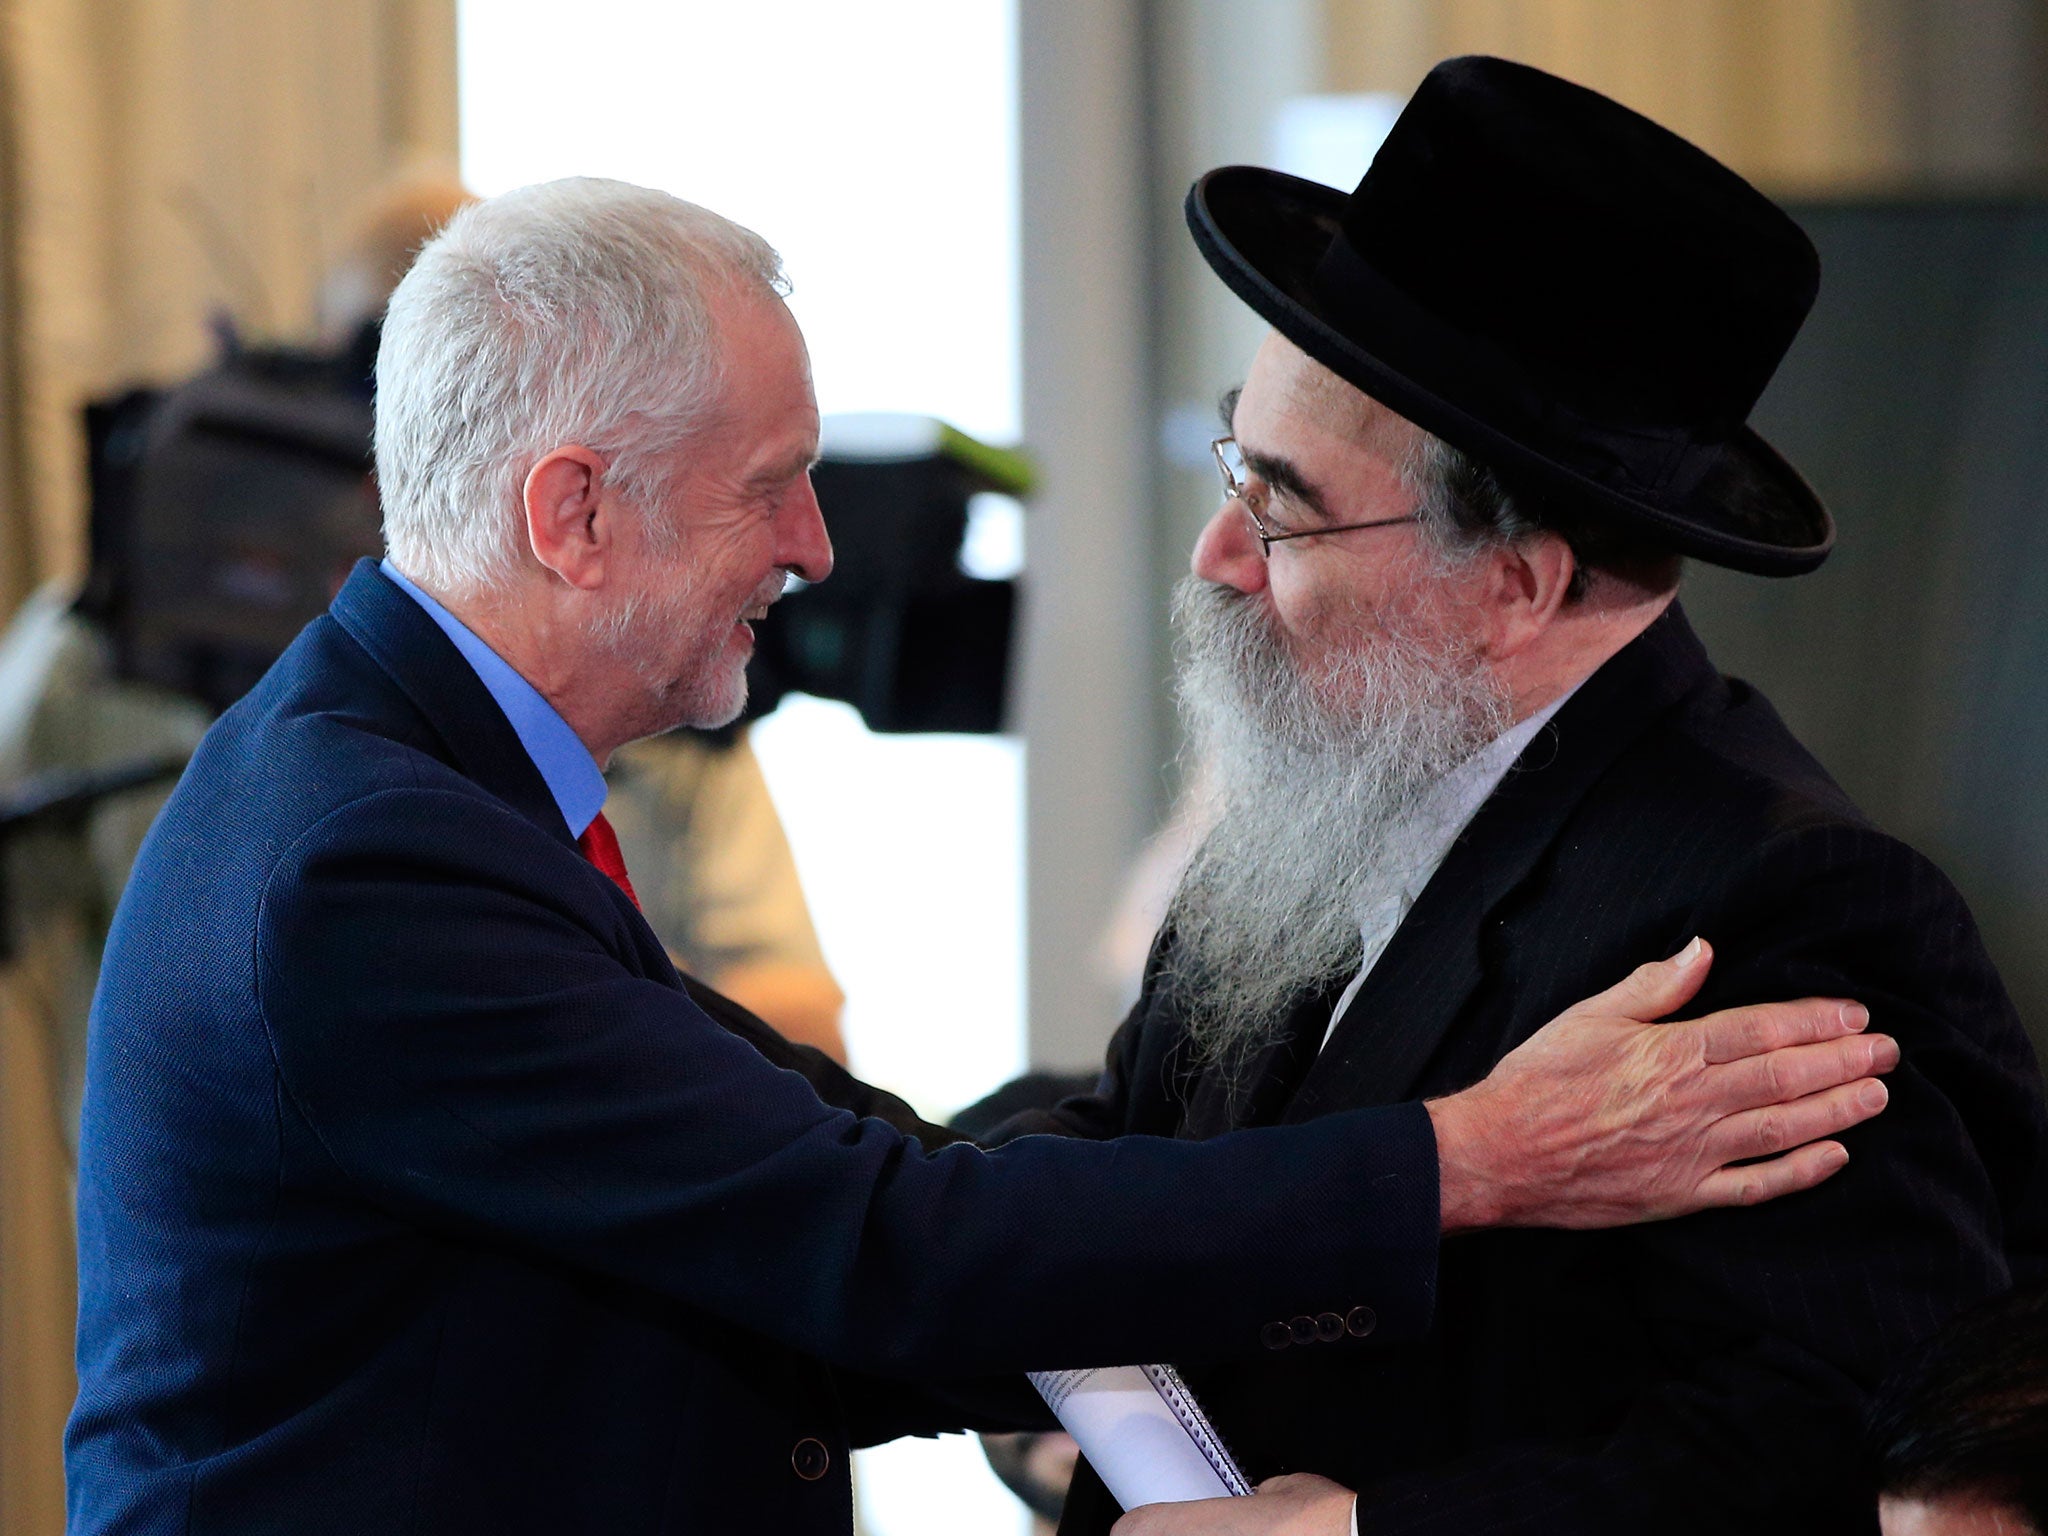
(1470, 757)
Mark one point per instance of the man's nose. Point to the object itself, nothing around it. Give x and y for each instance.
(1228, 553)
(806, 548)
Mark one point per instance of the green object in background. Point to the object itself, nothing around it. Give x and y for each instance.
(881, 437)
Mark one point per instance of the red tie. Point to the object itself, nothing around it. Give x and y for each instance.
(600, 845)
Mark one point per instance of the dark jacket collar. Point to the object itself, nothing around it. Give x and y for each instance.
(478, 740)
(1434, 961)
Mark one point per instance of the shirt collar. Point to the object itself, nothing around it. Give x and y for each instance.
(1420, 845)
(572, 774)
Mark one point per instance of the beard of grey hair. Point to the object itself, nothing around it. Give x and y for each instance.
(622, 629)
(1311, 776)
(619, 629)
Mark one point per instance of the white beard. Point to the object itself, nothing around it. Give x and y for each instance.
(1312, 777)
(638, 630)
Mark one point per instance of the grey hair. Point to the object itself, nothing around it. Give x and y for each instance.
(575, 311)
(1465, 509)
(1462, 507)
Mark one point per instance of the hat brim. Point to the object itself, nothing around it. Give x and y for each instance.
(1265, 233)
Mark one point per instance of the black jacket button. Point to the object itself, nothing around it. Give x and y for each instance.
(1329, 1327)
(1361, 1322)
(1274, 1336)
(810, 1460)
(1302, 1330)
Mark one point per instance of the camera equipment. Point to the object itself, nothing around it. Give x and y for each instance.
(901, 632)
(226, 512)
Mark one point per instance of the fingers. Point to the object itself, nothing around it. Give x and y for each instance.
(1737, 1032)
(1656, 990)
(1757, 1182)
(1762, 1132)
(1200, 1517)
(1296, 1504)
(1779, 1077)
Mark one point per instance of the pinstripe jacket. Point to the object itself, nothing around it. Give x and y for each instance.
(1705, 1374)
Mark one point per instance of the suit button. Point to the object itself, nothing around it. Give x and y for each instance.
(1361, 1322)
(1274, 1336)
(1302, 1330)
(1329, 1327)
(810, 1459)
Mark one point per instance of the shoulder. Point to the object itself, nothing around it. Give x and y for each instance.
(1715, 820)
(438, 831)
(1724, 752)
(317, 734)
(1719, 790)
(1732, 821)
(325, 758)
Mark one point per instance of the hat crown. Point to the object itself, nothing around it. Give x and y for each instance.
(1630, 274)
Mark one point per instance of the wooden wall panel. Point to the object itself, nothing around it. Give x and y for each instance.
(1803, 96)
(181, 159)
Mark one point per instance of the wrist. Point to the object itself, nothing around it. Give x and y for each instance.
(1470, 1192)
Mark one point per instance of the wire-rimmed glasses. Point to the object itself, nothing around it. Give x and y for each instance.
(1230, 464)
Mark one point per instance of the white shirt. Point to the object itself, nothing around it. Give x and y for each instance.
(1419, 845)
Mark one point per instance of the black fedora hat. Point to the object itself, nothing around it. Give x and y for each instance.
(1557, 286)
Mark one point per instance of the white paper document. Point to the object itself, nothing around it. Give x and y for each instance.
(1143, 1433)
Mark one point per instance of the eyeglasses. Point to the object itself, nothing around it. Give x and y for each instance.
(1230, 464)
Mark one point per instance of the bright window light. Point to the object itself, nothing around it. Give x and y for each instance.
(874, 146)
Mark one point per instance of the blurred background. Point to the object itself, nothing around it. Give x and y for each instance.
(978, 203)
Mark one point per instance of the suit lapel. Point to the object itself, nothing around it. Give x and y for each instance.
(1437, 957)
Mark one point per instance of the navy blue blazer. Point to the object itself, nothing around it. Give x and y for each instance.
(416, 1192)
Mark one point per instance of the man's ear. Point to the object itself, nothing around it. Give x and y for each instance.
(568, 520)
(1531, 578)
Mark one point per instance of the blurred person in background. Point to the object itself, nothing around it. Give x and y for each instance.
(1466, 752)
(418, 1190)
(1958, 1437)
(388, 231)
(716, 878)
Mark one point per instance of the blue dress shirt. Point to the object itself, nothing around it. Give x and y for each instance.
(572, 774)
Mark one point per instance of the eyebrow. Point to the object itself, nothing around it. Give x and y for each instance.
(1278, 472)
(1281, 474)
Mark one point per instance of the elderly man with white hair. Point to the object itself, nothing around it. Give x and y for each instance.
(419, 1192)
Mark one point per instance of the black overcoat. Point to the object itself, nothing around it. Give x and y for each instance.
(1705, 1374)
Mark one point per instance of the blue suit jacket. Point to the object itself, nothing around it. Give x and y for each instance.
(418, 1194)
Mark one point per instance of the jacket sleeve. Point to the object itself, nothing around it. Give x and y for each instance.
(878, 1408)
(830, 1081)
(1112, 1107)
(1774, 1323)
(458, 1017)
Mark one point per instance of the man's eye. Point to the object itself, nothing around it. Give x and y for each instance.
(776, 496)
(1279, 515)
